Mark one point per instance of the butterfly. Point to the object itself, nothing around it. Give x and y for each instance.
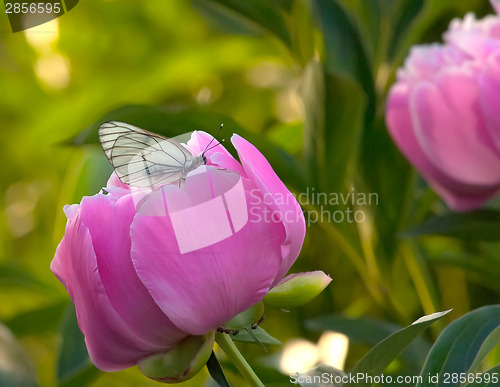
(144, 159)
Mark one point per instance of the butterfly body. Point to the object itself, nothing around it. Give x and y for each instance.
(145, 159)
(196, 162)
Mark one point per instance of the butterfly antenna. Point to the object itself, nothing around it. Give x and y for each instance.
(213, 146)
(207, 148)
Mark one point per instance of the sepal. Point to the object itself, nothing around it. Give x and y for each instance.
(182, 362)
(249, 317)
(297, 289)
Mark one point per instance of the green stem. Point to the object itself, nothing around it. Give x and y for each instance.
(423, 282)
(417, 267)
(357, 260)
(227, 345)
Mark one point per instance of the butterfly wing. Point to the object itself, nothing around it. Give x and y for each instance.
(109, 131)
(141, 158)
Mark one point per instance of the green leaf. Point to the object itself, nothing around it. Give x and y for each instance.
(162, 120)
(12, 274)
(74, 367)
(344, 110)
(225, 20)
(216, 372)
(263, 13)
(379, 357)
(259, 333)
(407, 13)
(370, 332)
(334, 106)
(301, 25)
(388, 174)
(86, 175)
(288, 136)
(172, 123)
(477, 225)
(360, 330)
(419, 19)
(285, 5)
(15, 367)
(37, 321)
(463, 345)
(375, 20)
(486, 269)
(344, 48)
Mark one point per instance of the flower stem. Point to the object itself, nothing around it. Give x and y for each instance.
(227, 345)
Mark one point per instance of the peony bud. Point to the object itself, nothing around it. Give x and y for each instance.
(148, 269)
(297, 289)
(443, 111)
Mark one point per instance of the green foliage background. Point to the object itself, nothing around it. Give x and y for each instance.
(306, 82)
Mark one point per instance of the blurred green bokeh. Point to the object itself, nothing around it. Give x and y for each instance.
(258, 65)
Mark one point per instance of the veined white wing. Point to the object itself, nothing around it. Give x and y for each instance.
(111, 130)
(145, 159)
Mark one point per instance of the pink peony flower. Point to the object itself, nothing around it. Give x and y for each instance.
(444, 111)
(138, 284)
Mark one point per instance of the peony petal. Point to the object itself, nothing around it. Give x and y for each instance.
(114, 181)
(218, 156)
(457, 195)
(201, 289)
(442, 111)
(425, 61)
(111, 344)
(117, 189)
(278, 197)
(476, 38)
(450, 129)
(478, 47)
(59, 264)
(109, 226)
(489, 87)
(496, 5)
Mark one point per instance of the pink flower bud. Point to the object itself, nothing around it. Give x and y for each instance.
(444, 111)
(148, 268)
